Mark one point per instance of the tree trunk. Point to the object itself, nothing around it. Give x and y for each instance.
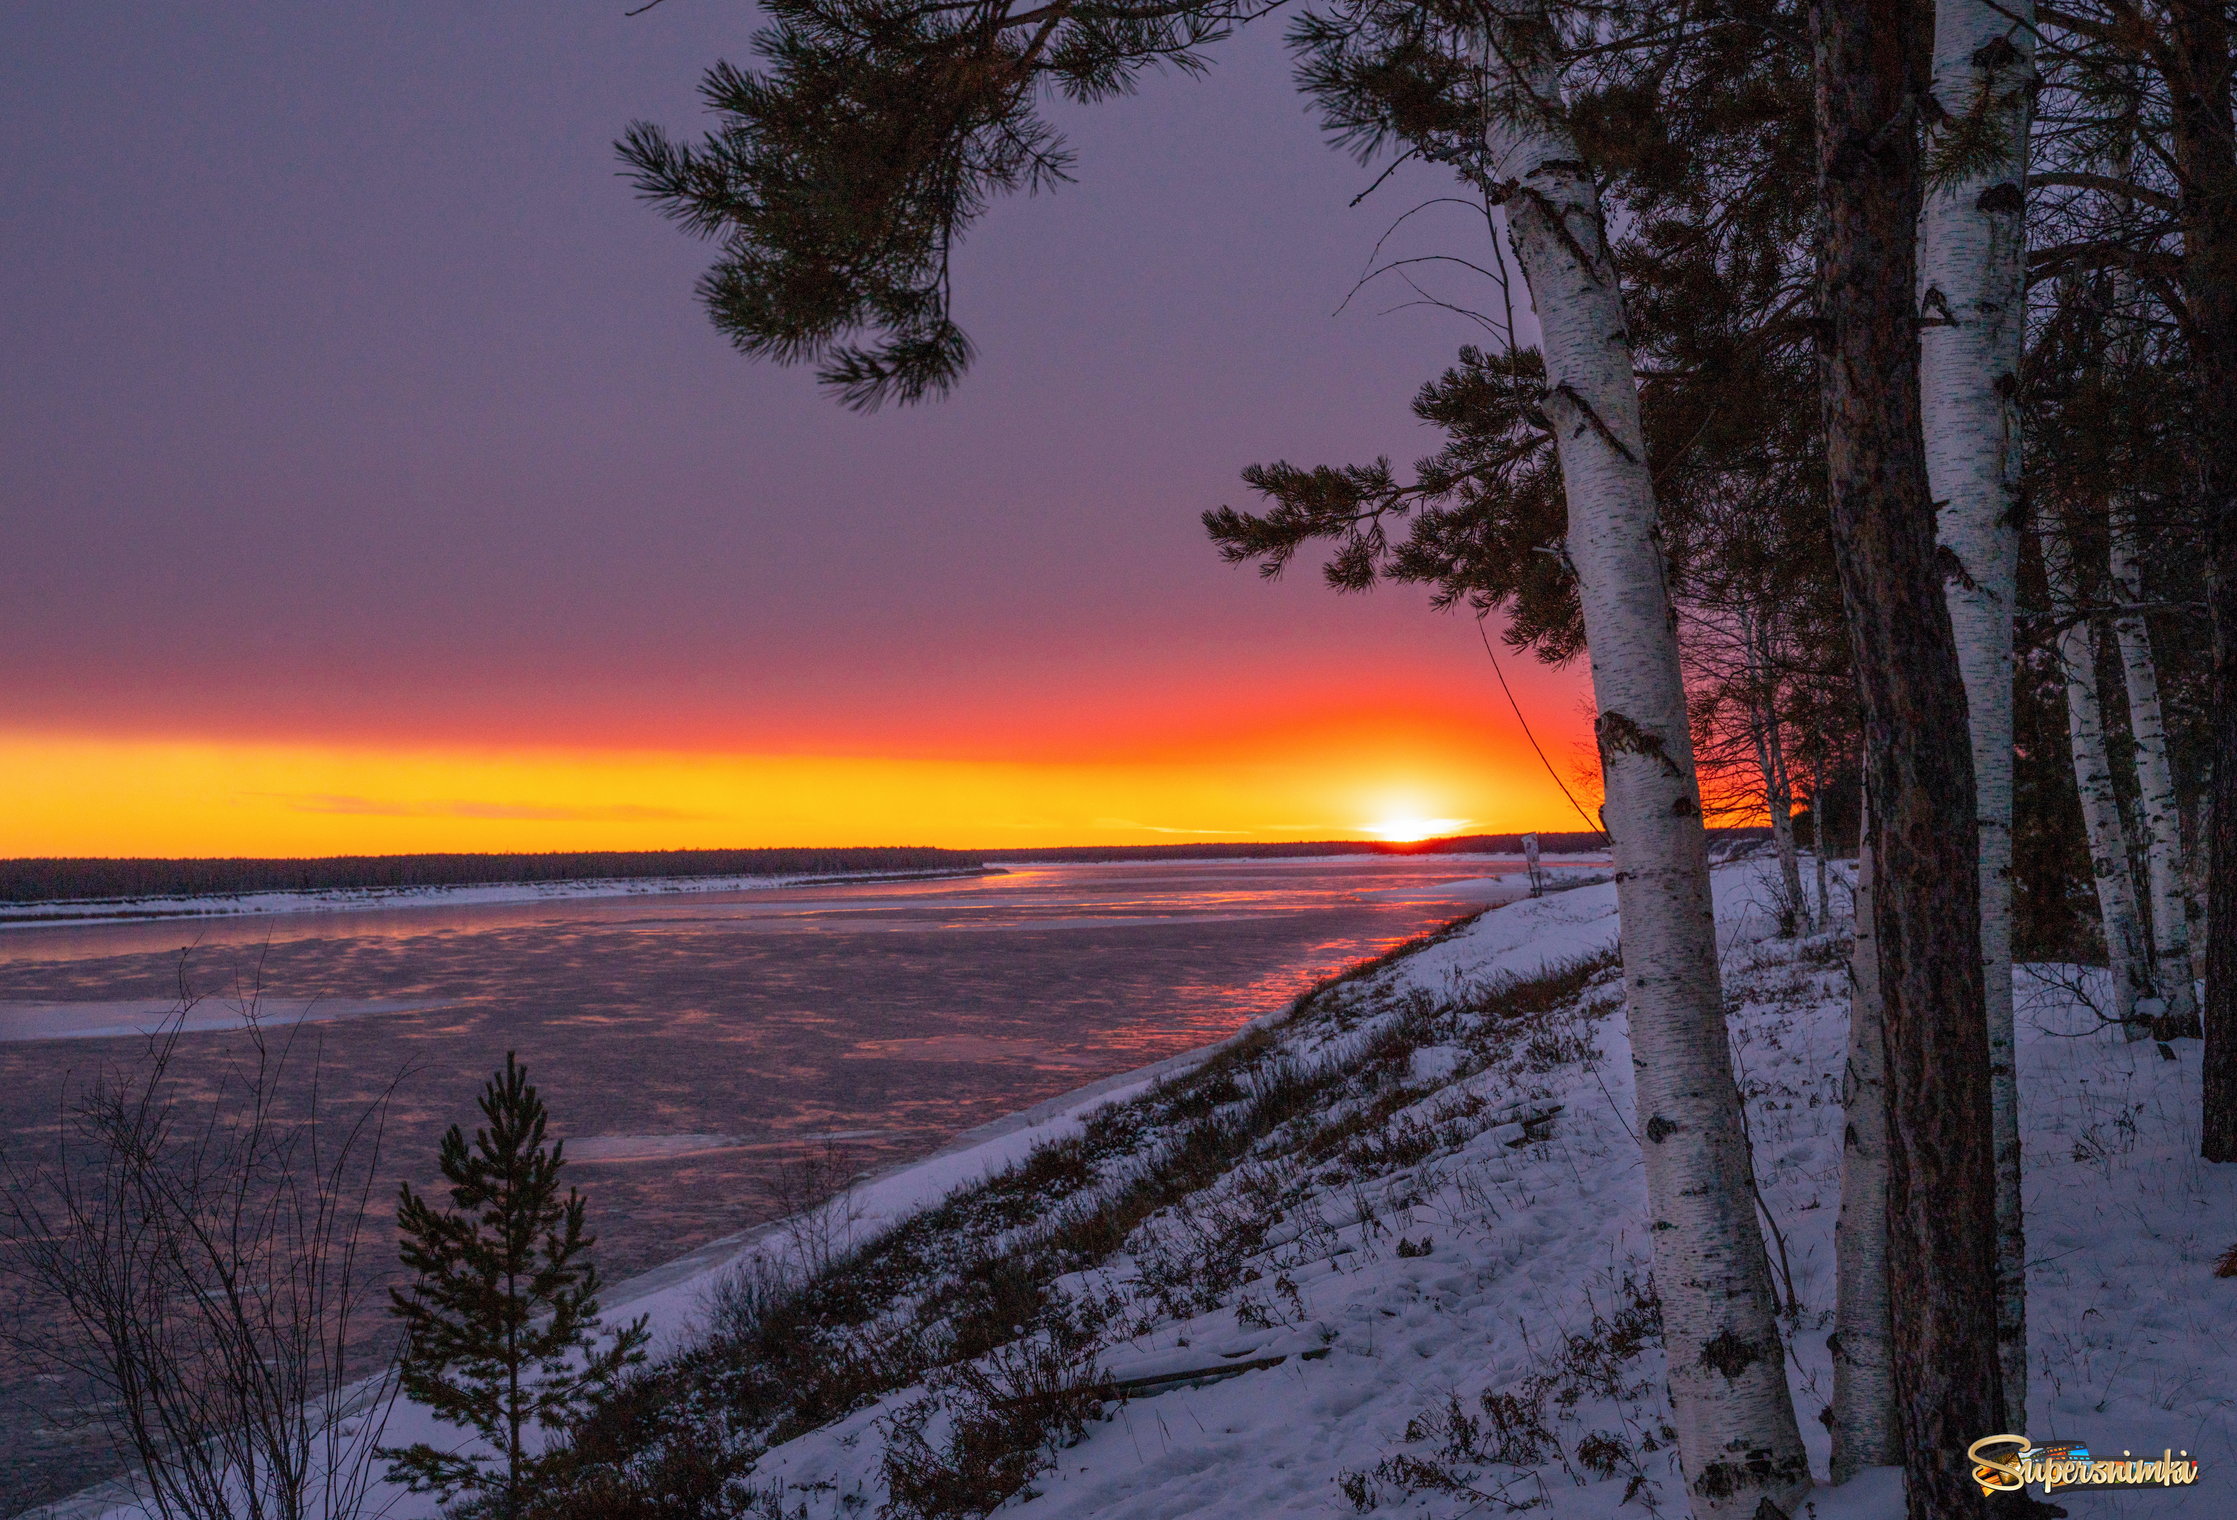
(1794, 907)
(2155, 779)
(1863, 1378)
(1821, 846)
(2093, 779)
(1737, 1440)
(1972, 278)
(1925, 837)
(2206, 164)
(1778, 791)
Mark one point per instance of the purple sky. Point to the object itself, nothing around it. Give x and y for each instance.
(350, 394)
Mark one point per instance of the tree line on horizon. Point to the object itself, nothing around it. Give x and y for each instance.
(1871, 436)
(76, 879)
(1457, 844)
(64, 879)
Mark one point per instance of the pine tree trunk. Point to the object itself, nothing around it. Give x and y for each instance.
(2199, 90)
(1863, 1377)
(1972, 280)
(1870, 73)
(2093, 779)
(2155, 778)
(1737, 1439)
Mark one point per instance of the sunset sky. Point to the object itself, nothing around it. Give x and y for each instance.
(373, 481)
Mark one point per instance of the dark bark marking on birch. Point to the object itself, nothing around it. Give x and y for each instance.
(1730, 1355)
(1619, 734)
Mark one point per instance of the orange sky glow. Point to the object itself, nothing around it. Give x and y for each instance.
(1365, 777)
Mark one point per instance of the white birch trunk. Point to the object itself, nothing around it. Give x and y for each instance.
(1778, 792)
(1821, 847)
(2155, 782)
(1972, 272)
(1782, 840)
(2093, 779)
(1863, 1370)
(1737, 1439)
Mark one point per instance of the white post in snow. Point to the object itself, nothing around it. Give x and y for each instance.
(1737, 1439)
(1972, 296)
(2093, 778)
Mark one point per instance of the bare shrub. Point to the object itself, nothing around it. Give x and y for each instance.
(813, 1191)
(1516, 1428)
(195, 1257)
(1006, 1414)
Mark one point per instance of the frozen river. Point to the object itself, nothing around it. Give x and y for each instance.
(686, 1044)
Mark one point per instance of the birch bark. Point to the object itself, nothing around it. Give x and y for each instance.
(2093, 778)
(1794, 907)
(1778, 791)
(1737, 1439)
(1863, 1377)
(2176, 979)
(1972, 279)
(1821, 848)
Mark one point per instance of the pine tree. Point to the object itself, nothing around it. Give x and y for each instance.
(501, 1321)
(1872, 58)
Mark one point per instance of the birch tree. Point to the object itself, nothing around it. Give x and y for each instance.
(2163, 76)
(1737, 1437)
(2165, 874)
(2093, 780)
(1778, 789)
(1973, 328)
(2167, 878)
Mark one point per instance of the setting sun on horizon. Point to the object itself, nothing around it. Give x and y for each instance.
(1412, 830)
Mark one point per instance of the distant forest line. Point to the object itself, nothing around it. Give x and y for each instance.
(1461, 844)
(101, 879)
(80, 880)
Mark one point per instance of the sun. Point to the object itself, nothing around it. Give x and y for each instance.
(1410, 830)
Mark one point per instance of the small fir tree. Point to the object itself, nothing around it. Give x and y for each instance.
(501, 1321)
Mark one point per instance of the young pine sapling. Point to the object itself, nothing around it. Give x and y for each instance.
(501, 1320)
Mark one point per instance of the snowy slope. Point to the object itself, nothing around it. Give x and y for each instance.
(1534, 1253)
